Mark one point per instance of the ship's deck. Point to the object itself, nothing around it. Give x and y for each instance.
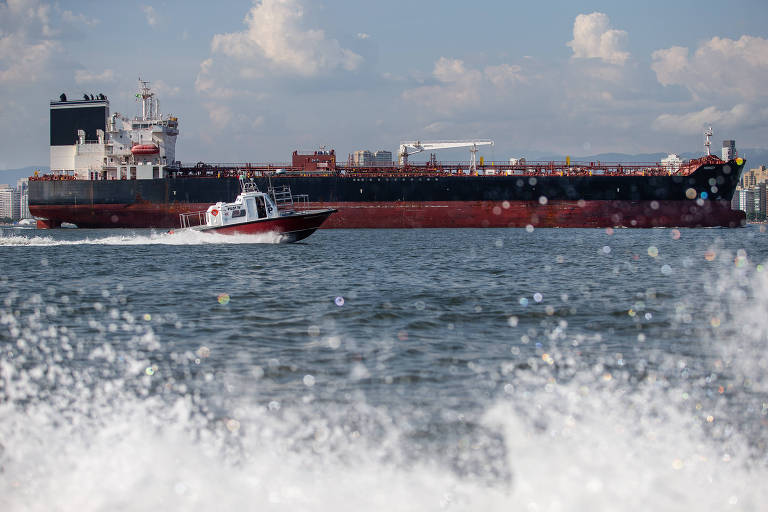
(527, 168)
(432, 169)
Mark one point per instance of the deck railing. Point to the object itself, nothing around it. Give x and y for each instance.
(191, 219)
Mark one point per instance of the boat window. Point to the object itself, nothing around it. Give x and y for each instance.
(238, 213)
(261, 208)
(249, 204)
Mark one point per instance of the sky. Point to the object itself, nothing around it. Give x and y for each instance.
(252, 81)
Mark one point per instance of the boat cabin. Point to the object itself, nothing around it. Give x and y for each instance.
(251, 205)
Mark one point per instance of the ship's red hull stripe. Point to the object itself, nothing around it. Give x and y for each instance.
(434, 214)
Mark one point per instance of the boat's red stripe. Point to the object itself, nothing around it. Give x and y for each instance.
(287, 224)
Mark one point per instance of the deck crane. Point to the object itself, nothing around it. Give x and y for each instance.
(413, 147)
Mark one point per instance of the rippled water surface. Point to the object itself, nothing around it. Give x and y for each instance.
(384, 370)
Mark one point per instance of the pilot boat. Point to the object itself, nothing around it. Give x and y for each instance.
(257, 212)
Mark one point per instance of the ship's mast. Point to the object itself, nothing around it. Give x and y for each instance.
(707, 135)
(149, 104)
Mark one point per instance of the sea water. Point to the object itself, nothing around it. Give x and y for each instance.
(409, 370)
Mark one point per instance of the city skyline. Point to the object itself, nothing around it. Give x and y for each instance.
(252, 81)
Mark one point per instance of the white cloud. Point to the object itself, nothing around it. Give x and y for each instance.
(220, 115)
(82, 76)
(449, 70)
(206, 82)
(720, 73)
(23, 60)
(459, 87)
(224, 119)
(695, 122)
(363, 35)
(77, 19)
(275, 32)
(26, 41)
(504, 75)
(456, 89)
(150, 14)
(720, 68)
(31, 33)
(670, 65)
(18, 15)
(594, 39)
(164, 90)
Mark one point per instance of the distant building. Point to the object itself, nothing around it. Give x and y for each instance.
(362, 157)
(750, 195)
(22, 188)
(380, 158)
(751, 201)
(754, 177)
(729, 150)
(9, 203)
(745, 201)
(383, 158)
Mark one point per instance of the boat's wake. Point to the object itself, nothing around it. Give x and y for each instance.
(176, 237)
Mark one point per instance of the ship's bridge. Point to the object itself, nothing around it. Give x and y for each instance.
(89, 143)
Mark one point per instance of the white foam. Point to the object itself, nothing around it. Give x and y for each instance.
(176, 237)
(579, 439)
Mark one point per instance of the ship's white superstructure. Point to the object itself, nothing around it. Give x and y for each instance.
(672, 162)
(87, 142)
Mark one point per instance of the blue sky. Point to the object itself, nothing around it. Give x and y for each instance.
(252, 81)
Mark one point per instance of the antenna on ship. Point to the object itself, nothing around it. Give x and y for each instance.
(707, 135)
(148, 106)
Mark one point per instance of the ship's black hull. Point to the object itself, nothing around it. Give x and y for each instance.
(385, 201)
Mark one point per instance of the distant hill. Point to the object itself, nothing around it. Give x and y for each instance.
(11, 176)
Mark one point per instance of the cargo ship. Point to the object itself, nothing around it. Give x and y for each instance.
(111, 171)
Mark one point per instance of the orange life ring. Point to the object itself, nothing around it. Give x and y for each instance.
(214, 212)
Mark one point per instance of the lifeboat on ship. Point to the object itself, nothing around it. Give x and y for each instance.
(256, 212)
(145, 149)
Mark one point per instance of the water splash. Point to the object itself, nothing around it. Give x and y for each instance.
(106, 414)
(177, 237)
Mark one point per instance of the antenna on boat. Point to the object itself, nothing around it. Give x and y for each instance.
(707, 135)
